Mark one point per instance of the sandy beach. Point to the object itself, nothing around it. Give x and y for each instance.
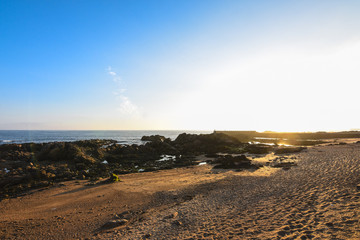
(187, 119)
(317, 199)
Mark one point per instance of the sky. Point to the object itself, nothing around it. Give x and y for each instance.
(189, 65)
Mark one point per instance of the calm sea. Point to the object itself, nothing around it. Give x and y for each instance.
(122, 136)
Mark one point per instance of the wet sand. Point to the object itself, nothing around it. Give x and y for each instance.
(317, 199)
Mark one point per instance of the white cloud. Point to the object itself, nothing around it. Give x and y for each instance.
(112, 73)
(126, 106)
(115, 77)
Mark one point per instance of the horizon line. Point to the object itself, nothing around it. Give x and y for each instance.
(202, 130)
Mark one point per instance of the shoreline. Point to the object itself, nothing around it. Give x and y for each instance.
(316, 199)
(35, 165)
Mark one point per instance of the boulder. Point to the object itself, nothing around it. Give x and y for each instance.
(237, 162)
(258, 149)
(204, 143)
(289, 150)
(155, 138)
(115, 223)
(284, 165)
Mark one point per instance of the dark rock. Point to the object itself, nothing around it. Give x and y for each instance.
(147, 236)
(230, 162)
(26, 166)
(289, 150)
(178, 223)
(205, 143)
(283, 165)
(329, 224)
(258, 149)
(155, 138)
(115, 223)
(125, 215)
(212, 155)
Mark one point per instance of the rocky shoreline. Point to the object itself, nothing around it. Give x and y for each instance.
(35, 165)
(288, 194)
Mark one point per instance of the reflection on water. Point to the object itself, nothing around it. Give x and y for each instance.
(166, 158)
(265, 138)
(272, 144)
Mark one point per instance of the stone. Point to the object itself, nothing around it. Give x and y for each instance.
(289, 150)
(155, 138)
(237, 162)
(281, 233)
(147, 235)
(115, 223)
(178, 223)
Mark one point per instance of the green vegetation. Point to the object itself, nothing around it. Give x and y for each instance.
(114, 178)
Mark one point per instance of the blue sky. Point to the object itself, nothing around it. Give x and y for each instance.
(263, 65)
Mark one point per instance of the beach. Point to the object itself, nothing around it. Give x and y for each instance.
(167, 120)
(317, 199)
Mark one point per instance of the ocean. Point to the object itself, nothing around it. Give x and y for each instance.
(121, 136)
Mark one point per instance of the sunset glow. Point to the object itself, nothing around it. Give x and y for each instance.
(203, 65)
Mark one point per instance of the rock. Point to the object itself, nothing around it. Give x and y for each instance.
(230, 162)
(147, 236)
(289, 150)
(178, 223)
(205, 143)
(284, 165)
(329, 224)
(188, 197)
(125, 215)
(155, 138)
(115, 223)
(174, 215)
(258, 149)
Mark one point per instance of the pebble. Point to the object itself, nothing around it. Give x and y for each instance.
(174, 215)
(115, 223)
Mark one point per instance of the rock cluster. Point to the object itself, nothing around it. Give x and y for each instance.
(25, 166)
(236, 162)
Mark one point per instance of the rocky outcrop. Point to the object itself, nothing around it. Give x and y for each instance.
(155, 138)
(289, 150)
(205, 143)
(258, 148)
(24, 166)
(237, 162)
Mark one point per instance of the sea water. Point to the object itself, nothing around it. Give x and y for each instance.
(121, 136)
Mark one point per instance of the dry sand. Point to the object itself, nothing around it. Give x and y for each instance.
(318, 199)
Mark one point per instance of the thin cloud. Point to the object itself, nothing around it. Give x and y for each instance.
(126, 106)
(115, 77)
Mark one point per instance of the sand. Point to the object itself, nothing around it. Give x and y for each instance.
(318, 199)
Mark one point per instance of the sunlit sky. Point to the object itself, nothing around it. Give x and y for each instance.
(186, 64)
